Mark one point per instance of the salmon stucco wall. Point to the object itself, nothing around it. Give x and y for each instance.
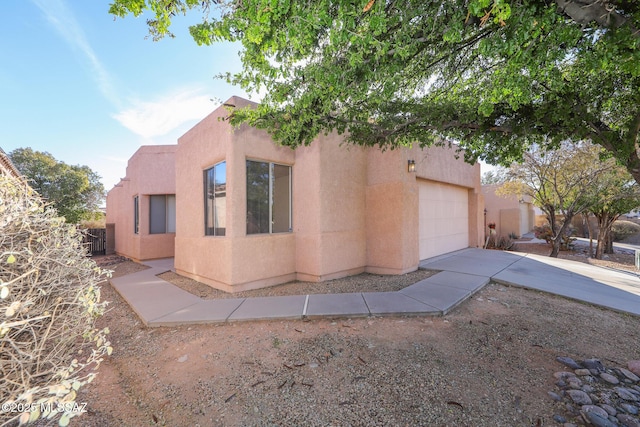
(512, 214)
(150, 171)
(329, 209)
(235, 261)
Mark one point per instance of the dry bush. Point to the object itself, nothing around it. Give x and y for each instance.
(49, 300)
(621, 230)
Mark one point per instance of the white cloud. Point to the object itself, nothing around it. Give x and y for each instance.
(161, 116)
(64, 22)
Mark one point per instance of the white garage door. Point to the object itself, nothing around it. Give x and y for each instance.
(444, 218)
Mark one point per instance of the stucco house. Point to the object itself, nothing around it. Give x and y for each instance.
(512, 215)
(249, 213)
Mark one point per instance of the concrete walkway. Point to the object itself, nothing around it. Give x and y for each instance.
(462, 273)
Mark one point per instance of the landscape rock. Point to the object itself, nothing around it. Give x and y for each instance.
(634, 366)
(579, 397)
(569, 362)
(610, 399)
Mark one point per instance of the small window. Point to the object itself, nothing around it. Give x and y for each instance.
(268, 198)
(136, 215)
(215, 200)
(162, 214)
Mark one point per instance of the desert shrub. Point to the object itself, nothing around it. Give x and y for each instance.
(49, 300)
(620, 230)
(543, 232)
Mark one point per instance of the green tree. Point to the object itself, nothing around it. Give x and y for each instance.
(495, 75)
(498, 175)
(561, 183)
(612, 194)
(74, 191)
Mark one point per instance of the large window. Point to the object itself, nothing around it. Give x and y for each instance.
(162, 214)
(136, 215)
(268, 198)
(215, 200)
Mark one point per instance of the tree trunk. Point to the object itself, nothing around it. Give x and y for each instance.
(585, 217)
(557, 235)
(603, 233)
(609, 246)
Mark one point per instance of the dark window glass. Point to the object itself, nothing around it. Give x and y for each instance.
(157, 214)
(136, 215)
(268, 198)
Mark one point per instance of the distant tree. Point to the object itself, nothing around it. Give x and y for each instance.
(498, 175)
(561, 183)
(612, 194)
(74, 191)
(497, 76)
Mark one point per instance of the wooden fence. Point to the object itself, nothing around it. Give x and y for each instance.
(96, 240)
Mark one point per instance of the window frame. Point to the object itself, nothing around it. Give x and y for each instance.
(213, 231)
(167, 216)
(271, 168)
(136, 214)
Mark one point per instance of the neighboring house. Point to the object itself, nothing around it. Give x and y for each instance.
(141, 207)
(250, 213)
(511, 214)
(6, 165)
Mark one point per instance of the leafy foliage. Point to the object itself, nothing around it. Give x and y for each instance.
(612, 195)
(496, 75)
(75, 191)
(561, 183)
(49, 299)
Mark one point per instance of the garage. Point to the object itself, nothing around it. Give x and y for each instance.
(443, 218)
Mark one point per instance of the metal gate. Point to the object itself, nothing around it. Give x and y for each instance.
(96, 240)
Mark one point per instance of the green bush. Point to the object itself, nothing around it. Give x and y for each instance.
(49, 300)
(620, 230)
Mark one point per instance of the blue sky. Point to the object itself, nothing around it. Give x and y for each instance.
(91, 89)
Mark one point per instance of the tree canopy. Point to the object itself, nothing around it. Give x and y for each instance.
(496, 76)
(74, 191)
(576, 178)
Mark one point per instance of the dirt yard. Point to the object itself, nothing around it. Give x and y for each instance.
(491, 362)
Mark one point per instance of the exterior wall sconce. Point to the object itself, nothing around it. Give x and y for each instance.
(411, 165)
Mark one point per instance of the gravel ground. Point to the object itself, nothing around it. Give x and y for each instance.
(491, 362)
(359, 283)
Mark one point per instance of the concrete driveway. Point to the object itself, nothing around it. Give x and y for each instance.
(596, 285)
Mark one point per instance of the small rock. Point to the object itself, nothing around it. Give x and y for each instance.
(626, 394)
(582, 372)
(593, 408)
(609, 378)
(183, 358)
(579, 397)
(569, 362)
(629, 409)
(628, 420)
(561, 375)
(555, 396)
(630, 375)
(598, 420)
(559, 419)
(634, 366)
(587, 388)
(610, 409)
(575, 383)
(594, 365)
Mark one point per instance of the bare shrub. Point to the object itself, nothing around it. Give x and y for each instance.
(621, 230)
(49, 300)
